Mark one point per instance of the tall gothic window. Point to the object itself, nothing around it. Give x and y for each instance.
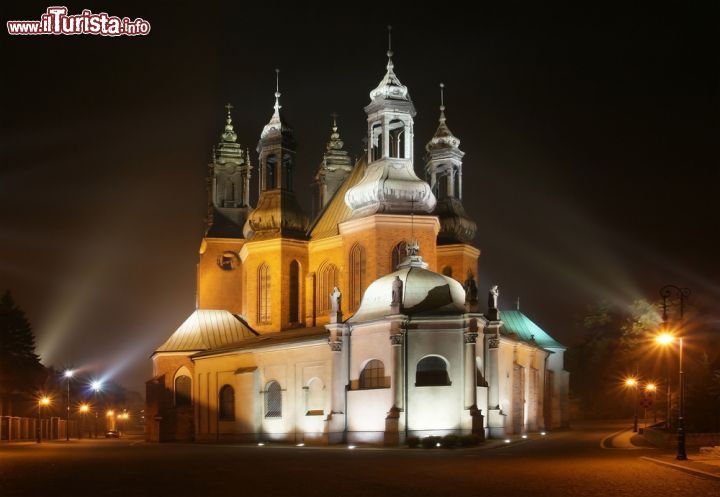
(397, 138)
(264, 298)
(183, 391)
(273, 400)
(328, 279)
(373, 375)
(399, 254)
(294, 303)
(432, 371)
(227, 403)
(357, 275)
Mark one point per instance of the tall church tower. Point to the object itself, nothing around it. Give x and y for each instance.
(229, 188)
(443, 169)
(278, 213)
(456, 256)
(275, 259)
(390, 184)
(333, 170)
(219, 282)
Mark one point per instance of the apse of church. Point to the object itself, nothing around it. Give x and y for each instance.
(355, 324)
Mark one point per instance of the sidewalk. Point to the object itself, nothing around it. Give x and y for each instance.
(703, 465)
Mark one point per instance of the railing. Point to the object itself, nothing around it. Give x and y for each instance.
(19, 429)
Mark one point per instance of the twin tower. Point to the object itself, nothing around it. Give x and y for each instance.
(275, 267)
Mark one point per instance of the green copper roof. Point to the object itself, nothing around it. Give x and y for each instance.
(518, 323)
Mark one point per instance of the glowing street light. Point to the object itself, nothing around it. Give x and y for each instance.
(650, 387)
(68, 375)
(96, 385)
(666, 338)
(632, 382)
(43, 401)
(84, 408)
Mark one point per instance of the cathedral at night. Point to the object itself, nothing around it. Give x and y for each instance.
(361, 324)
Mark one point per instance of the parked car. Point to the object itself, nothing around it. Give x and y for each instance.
(112, 434)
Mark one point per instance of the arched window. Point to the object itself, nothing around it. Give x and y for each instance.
(294, 303)
(447, 271)
(431, 371)
(270, 167)
(373, 375)
(357, 275)
(227, 403)
(328, 279)
(183, 391)
(263, 312)
(315, 400)
(397, 138)
(399, 254)
(273, 400)
(377, 145)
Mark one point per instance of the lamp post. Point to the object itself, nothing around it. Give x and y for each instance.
(96, 386)
(84, 408)
(666, 338)
(68, 374)
(633, 383)
(42, 402)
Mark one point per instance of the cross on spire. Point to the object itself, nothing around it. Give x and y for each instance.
(334, 115)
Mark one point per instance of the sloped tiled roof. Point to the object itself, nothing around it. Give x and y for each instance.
(336, 211)
(518, 323)
(207, 329)
(289, 337)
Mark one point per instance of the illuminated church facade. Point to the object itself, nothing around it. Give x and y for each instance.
(361, 325)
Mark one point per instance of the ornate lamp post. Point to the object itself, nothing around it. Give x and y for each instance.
(68, 374)
(666, 338)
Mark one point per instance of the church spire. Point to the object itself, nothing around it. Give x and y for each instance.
(334, 168)
(443, 170)
(390, 182)
(278, 213)
(229, 184)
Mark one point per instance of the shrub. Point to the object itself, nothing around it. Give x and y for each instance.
(470, 440)
(430, 442)
(413, 442)
(450, 441)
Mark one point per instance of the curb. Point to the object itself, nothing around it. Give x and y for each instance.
(685, 469)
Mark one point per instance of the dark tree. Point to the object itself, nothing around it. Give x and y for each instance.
(20, 368)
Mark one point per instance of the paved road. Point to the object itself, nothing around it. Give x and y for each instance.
(565, 464)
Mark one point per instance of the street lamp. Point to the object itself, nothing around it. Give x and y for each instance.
(633, 383)
(97, 387)
(84, 408)
(68, 374)
(42, 402)
(666, 338)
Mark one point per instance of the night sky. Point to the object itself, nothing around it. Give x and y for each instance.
(591, 140)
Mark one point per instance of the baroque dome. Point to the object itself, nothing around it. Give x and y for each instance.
(423, 292)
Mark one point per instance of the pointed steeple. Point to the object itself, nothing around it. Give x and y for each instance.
(334, 168)
(229, 185)
(390, 184)
(277, 213)
(443, 170)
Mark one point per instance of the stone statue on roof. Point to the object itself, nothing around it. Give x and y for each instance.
(493, 297)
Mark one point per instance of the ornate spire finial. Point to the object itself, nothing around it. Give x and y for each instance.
(517, 304)
(229, 134)
(442, 102)
(277, 90)
(334, 126)
(389, 51)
